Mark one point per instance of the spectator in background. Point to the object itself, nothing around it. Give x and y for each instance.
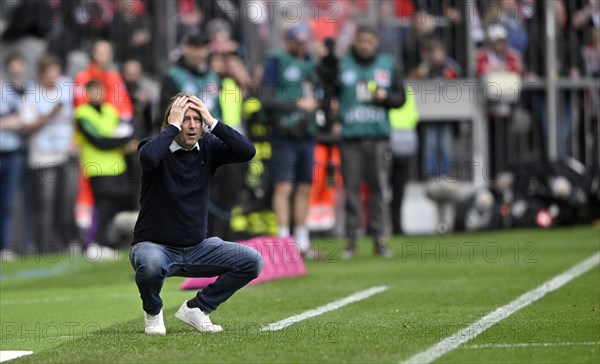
(436, 63)
(570, 63)
(370, 84)
(288, 84)
(130, 34)
(104, 138)
(394, 26)
(115, 93)
(327, 177)
(591, 54)
(568, 57)
(405, 145)
(12, 148)
(441, 19)
(81, 23)
(512, 15)
(438, 135)
(421, 31)
(585, 16)
(228, 180)
(91, 18)
(497, 59)
(27, 31)
(144, 96)
(192, 74)
(332, 20)
(28, 18)
(255, 34)
(219, 32)
(195, 16)
(189, 18)
(52, 184)
(100, 70)
(229, 13)
(345, 38)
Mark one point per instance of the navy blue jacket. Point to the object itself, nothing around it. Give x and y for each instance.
(176, 186)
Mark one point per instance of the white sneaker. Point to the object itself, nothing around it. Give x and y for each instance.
(196, 318)
(7, 255)
(154, 324)
(311, 254)
(109, 254)
(95, 253)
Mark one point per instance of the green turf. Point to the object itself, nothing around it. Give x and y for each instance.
(71, 310)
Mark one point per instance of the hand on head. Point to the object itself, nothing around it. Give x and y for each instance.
(178, 109)
(182, 104)
(197, 104)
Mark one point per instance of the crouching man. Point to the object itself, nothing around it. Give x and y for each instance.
(170, 233)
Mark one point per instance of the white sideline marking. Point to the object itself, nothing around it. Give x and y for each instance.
(323, 309)
(6, 355)
(532, 345)
(63, 299)
(452, 342)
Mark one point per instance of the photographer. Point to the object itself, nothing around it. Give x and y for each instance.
(371, 84)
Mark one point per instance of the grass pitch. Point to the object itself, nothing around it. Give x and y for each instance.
(69, 310)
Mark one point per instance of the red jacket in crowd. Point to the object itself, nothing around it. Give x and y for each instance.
(488, 61)
(115, 92)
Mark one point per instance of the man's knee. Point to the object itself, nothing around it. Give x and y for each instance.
(150, 269)
(148, 263)
(284, 188)
(254, 262)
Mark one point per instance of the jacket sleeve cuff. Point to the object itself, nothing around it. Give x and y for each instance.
(212, 127)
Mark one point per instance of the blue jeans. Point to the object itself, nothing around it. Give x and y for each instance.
(12, 171)
(235, 264)
(438, 149)
(564, 123)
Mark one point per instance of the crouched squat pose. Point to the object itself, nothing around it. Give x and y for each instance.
(170, 233)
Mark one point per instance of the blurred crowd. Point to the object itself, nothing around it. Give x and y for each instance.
(83, 81)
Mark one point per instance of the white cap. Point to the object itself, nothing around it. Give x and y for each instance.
(496, 32)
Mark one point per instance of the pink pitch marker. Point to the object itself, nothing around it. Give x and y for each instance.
(281, 256)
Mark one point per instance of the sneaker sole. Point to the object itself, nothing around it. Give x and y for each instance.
(155, 332)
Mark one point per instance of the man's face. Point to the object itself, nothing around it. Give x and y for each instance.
(366, 44)
(132, 71)
(50, 74)
(195, 56)
(102, 54)
(438, 55)
(217, 64)
(297, 49)
(499, 46)
(16, 69)
(94, 94)
(191, 129)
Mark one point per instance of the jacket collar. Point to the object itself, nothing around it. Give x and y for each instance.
(175, 147)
